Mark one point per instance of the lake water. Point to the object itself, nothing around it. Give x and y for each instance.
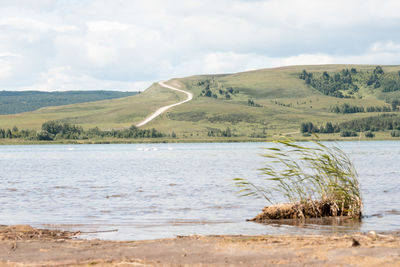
(148, 191)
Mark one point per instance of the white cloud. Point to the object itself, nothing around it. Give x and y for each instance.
(64, 79)
(91, 44)
(33, 25)
(385, 47)
(9, 55)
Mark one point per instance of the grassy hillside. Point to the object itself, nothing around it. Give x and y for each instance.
(251, 104)
(281, 102)
(12, 102)
(106, 114)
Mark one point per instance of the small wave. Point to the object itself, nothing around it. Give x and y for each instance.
(194, 221)
(115, 196)
(220, 207)
(11, 189)
(393, 212)
(64, 187)
(183, 209)
(97, 187)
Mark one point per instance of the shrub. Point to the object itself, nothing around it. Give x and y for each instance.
(395, 133)
(347, 133)
(369, 134)
(44, 136)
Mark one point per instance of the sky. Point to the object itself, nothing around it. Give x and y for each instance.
(127, 45)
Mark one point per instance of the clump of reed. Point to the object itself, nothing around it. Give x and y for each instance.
(315, 181)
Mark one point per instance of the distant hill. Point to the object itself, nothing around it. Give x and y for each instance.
(277, 100)
(12, 102)
(250, 104)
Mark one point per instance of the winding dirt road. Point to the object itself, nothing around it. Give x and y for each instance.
(165, 108)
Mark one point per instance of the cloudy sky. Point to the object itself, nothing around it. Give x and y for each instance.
(128, 44)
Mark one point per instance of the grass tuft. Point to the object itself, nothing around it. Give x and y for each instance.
(316, 181)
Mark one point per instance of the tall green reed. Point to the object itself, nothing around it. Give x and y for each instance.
(303, 174)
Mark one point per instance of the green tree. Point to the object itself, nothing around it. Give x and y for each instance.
(369, 134)
(52, 127)
(307, 127)
(329, 127)
(44, 136)
(8, 134)
(395, 103)
(378, 70)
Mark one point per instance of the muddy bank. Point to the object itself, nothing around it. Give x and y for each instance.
(26, 232)
(24, 245)
(307, 210)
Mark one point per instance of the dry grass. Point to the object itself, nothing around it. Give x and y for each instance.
(26, 232)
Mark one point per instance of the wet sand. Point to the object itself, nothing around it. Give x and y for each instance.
(27, 246)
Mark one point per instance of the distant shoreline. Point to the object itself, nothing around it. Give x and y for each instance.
(179, 141)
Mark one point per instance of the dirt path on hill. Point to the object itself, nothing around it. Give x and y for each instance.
(165, 108)
(27, 246)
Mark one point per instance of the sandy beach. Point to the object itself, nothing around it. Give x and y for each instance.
(26, 246)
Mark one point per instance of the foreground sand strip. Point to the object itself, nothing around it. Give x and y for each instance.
(27, 246)
(165, 108)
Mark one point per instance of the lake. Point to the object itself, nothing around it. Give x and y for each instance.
(149, 191)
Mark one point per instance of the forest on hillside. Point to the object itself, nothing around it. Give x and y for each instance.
(348, 82)
(12, 102)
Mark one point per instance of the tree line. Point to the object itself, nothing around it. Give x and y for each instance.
(216, 132)
(382, 122)
(348, 108)
(56, 130)
(12, 102)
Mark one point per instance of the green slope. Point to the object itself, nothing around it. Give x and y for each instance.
(106, 114)
(285, 102)
(282, 101)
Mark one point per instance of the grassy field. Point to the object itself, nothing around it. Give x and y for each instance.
(116, 113)
(284, 101)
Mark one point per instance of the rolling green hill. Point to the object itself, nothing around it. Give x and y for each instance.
(105, 114)
(279, 102)
(12, 102)
(249, 104)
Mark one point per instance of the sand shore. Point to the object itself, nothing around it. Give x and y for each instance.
(27, 246)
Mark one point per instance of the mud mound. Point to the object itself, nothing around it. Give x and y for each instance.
(26, 232)
(315, 209)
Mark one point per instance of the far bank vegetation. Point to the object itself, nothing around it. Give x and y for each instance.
(56, 130)
(384, 122)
